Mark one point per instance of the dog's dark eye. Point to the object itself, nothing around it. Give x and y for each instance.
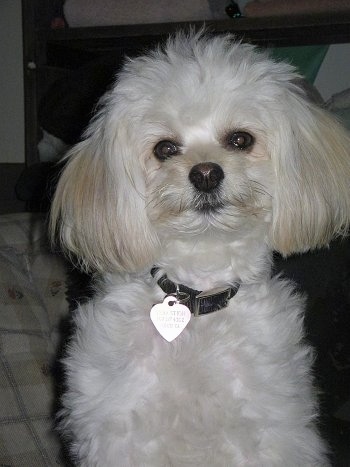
(165, 149)
(240, 140)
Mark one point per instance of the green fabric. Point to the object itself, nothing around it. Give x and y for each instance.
(307, 59)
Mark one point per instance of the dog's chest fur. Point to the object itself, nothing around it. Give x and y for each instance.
(213, 396)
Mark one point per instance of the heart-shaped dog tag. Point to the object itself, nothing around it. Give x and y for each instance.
(170, 318)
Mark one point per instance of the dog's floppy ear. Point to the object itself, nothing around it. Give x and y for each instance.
(98, 212)
(311, 155)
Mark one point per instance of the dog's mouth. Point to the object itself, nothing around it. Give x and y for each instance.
(208, 202)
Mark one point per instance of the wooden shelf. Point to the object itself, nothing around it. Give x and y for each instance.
(279, 31)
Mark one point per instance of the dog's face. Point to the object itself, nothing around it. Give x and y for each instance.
(206, 134)
(206, 162)
(203, 128)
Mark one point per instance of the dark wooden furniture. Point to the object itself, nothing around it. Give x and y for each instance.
(49, 53)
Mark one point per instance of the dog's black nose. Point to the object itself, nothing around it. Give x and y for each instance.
(206, 176)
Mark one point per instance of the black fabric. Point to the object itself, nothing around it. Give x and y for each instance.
(36, 185)
(68, 105)
(323, 277)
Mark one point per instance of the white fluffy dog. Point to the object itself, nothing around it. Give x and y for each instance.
(203, 158)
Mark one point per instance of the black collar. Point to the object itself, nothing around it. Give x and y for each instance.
(199, 303)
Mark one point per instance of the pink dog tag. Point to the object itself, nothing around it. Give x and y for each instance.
(170, 317)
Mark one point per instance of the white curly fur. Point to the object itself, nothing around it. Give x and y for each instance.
(235, 388)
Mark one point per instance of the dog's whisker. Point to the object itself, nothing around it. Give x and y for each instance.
(259, 188)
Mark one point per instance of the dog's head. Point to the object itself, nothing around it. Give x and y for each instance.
(205, 133)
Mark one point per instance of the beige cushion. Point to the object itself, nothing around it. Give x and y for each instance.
(32, 304)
